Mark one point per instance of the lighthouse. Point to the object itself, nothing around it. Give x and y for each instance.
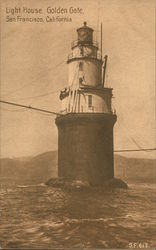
(85, 126)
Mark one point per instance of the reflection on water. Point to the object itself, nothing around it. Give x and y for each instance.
(38, 216)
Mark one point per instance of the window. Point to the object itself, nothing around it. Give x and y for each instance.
(81, 66)
(89, 101)
(81, 51)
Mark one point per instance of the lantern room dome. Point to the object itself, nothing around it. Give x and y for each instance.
(85, 34)
(84, 27)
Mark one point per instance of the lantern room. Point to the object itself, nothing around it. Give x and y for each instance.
(85, 34)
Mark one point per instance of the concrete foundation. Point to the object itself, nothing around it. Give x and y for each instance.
(85, 147)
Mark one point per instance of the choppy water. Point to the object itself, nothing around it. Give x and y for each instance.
(44, 217)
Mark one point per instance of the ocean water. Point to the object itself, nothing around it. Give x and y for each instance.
(37, 216)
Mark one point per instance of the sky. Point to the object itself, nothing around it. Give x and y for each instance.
(34, 70)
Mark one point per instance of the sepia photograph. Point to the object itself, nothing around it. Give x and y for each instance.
(78, 124)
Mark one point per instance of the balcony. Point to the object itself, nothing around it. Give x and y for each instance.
(77, 42)
(86, 111)
(72, 56)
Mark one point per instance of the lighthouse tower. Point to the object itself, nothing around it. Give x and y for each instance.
(85, 128)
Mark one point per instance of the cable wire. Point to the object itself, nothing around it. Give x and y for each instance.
(30, 107)
(55, 113)
(133, 150)
(14, 110)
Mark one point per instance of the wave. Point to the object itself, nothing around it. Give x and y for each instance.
(35, 185)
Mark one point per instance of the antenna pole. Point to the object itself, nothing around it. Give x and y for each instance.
(101, 41)
(104, 69)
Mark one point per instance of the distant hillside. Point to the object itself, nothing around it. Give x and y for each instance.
(30, 170)
(135, 169)
(44, 166)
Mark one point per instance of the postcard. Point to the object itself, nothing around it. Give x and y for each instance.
(77, 136)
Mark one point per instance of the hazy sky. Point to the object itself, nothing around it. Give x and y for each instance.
(33, 63)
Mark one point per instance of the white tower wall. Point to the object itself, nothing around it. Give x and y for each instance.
(85, 91)
(88, 103)
(88, 70)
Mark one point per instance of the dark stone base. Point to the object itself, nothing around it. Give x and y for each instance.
(85, 147)
(69, 184)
